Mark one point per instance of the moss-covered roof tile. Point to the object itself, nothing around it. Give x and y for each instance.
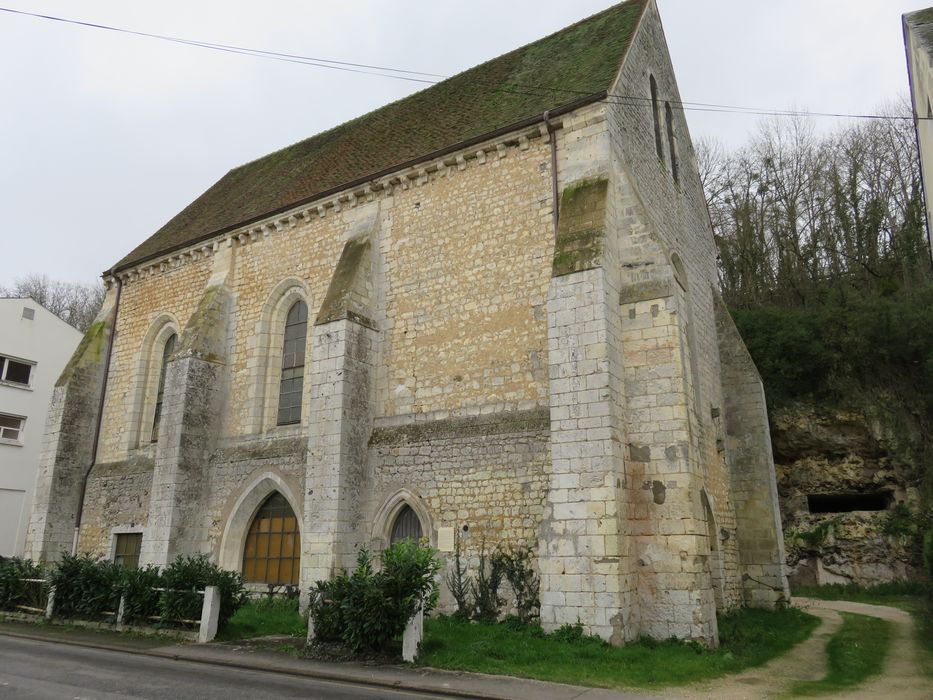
(583, 58)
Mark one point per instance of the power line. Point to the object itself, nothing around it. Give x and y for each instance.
(429, 78)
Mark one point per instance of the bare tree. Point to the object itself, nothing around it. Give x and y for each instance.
(74, 302)
(794, 211)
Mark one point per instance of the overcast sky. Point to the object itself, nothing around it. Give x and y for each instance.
(104, 136)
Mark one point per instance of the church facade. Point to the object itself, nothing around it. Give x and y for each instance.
(488, 310)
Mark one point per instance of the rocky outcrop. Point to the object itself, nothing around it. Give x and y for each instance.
(847, 501)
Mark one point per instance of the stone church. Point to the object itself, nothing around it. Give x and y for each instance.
(488, 310)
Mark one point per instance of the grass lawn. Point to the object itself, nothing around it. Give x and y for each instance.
(854, 653)
(264, 617)
(747, 638)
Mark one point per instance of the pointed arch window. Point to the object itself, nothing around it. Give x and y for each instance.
(656, 115)
(293, 364)
(406, 526)
(273, 544)
(167, 351)
(671, 141)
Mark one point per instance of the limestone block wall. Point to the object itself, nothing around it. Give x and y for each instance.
(467, 271)
(117, 498)
(172, 289)
(487, 472)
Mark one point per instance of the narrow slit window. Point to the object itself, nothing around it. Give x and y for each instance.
(671, 140)
(293, 364)
(656, 115)
(406, 526)
(167, 351)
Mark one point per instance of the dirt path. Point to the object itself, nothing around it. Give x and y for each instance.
(900, 679)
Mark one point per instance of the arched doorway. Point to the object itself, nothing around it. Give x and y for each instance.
(406, 526)
(273, 544)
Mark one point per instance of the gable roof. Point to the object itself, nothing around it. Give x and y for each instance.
(575, 64)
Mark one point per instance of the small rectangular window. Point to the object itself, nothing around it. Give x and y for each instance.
(848, 502)
(15, 371)
(11, 428)
(126, 549)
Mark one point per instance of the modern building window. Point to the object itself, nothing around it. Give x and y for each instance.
(126, 549)
(671, 141)
(656, 116)
(406, 526)
(15, 371)
(166, 356)
(11, 428)
(293, 364)
(273, 544)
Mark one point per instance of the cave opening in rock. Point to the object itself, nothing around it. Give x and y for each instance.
(848, 502)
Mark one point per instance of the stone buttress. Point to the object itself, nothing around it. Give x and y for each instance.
(195, 386)
(344, 357)
(68, 449)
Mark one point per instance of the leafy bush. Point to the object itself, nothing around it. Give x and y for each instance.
(518, 569)
(141, 603)
(14, 591)
(485, 589)
(458, 582)
(189, 574)
(86, 587)
(365, 610)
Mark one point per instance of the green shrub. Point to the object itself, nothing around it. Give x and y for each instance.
(485, 588)
(365, 610)
(189, 574)
(458, 582)
(518, 569)
(14, 591)
(86, 587)
(141, 603)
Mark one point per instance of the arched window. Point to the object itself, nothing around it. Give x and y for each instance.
(656, 115)
(293, 364)
(406, 526)
(273, 544)
(167, 351)
(671, 144)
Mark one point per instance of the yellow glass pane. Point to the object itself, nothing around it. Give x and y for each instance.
(272, 573)
(262, 545)
(249, 570)
(263, 525)
(285, 571)
(276, 525)
(275, 545)
(260, 571)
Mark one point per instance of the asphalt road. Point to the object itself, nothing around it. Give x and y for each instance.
(31, 669)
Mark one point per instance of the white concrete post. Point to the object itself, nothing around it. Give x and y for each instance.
(310, 629)
(210, 614)
(121, 611)
(414, 632)
(50, 603)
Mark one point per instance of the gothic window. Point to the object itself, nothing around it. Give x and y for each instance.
(656, 115)
(293, 364)
(167, 351)
(671, 144)
(406, 526)
(273, 544)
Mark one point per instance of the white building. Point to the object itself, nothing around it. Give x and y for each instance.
(34, 347)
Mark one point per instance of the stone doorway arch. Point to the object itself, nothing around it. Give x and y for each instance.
(242, 513)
